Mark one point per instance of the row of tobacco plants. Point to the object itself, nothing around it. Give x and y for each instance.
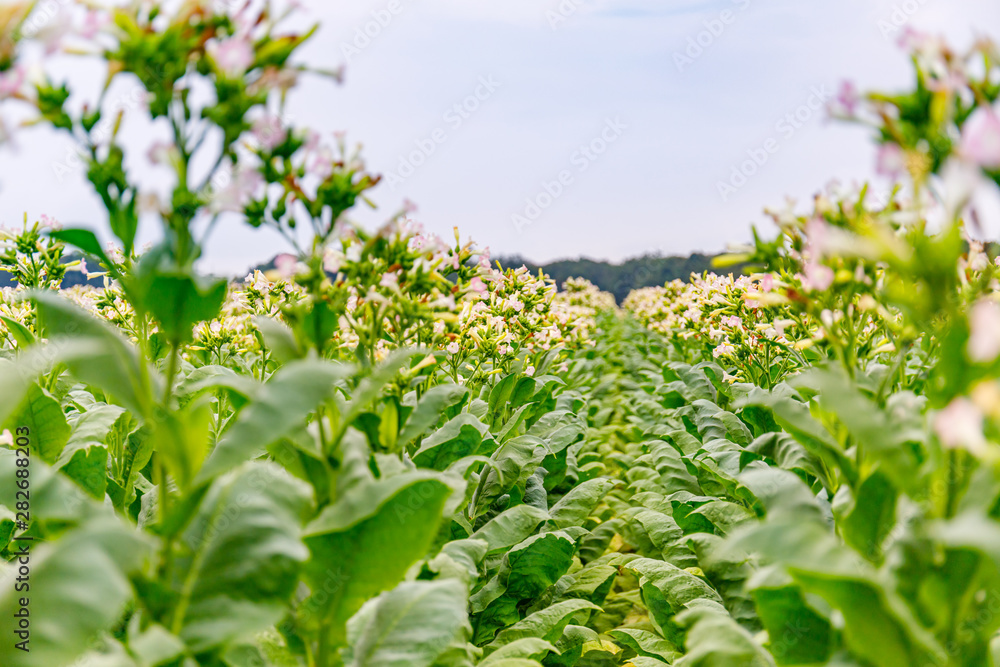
(390, 452)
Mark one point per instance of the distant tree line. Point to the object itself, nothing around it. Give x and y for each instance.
(620, 279)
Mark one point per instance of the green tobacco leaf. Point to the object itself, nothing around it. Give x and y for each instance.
(521, 649)
(794, 417)
(409, 626)
(797, 633)
(867, 520)
(547, 624)
(656, 535)
(43, 416)
(16, 380)
(666, 591)
(250, 517)
(57, 504)
(370, 388)
(177, 298)
(21, 334)
(240, 388)
(85, 457)
(282, 404)
(878, 626)
(97, 353)
(364, 543)
(715, 639)
(182, 438)
(526, 572)
(79, 586)
(515, 461)
(279, 339)
(465, 435)
(646, 644)
(428, 411)
(573, 508)
(511, 526)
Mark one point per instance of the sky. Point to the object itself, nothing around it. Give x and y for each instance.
(568, 128)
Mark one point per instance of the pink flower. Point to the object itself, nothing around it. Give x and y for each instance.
(890, 160)
(847, 98)
(269, 132)
(93, 22)
(48, 222)
(984, 332)
(981, 138)
(724, 349)
(484, 258)
(817, 231)
(233, 55)
(477, 285)
(818, 276)
(11, 81)
(286, 265)
(453, 348)
(243, 187)
(960, 426)
(767, 283)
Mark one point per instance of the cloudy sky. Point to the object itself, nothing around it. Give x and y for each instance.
(555, 129)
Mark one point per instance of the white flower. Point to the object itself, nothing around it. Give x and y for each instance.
(984, 332)
(453, 348)
(333, 260)
(390, 280)
(6, 439)
(960, 426)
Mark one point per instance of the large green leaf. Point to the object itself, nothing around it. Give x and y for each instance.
(465, 435)
(239, 559)
(526, 572)
(175, 296)
(716, 640)
(364, 543)
(547, 623)
(282, 404)
(409, 626)
(428, 411)
(79, 586)
(666, 591)
(573, 508)
(42, 416)
(96, 353)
